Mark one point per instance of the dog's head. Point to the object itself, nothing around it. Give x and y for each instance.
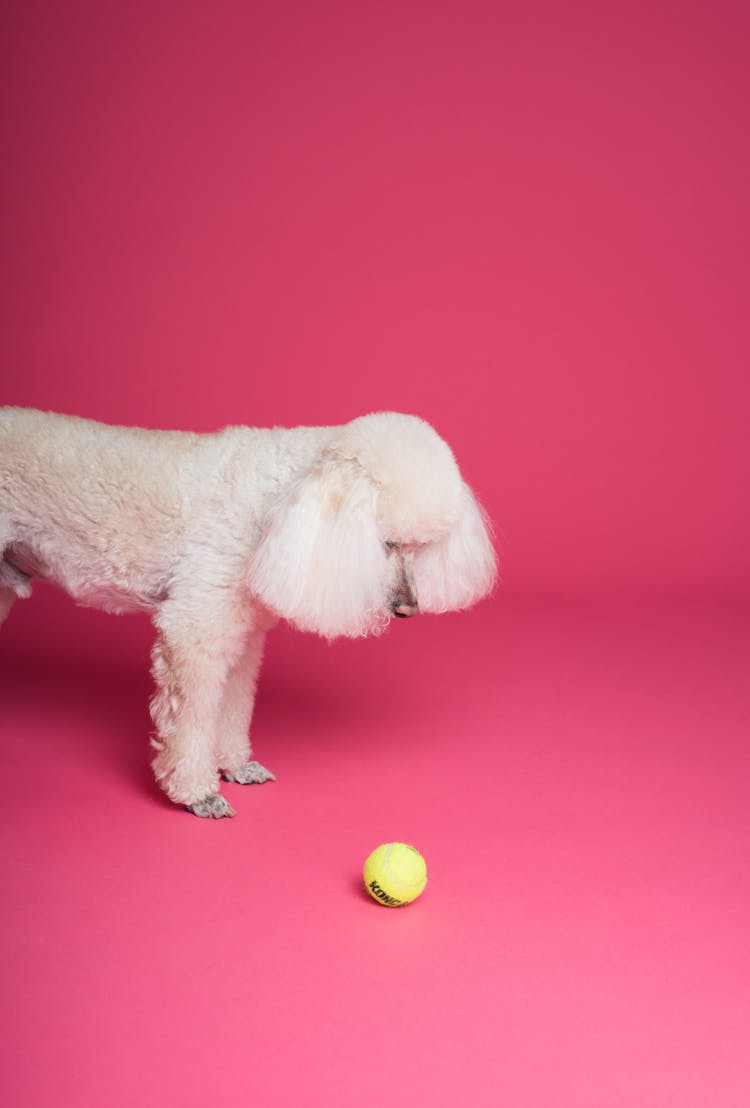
(382, 524)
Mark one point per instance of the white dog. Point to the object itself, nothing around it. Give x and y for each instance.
(335, 529)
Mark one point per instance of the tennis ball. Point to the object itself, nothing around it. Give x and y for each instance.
(395, 874)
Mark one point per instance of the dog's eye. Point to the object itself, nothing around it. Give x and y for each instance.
(390, 545)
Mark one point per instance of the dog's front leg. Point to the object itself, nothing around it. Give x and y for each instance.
(190, 667)
(234, 750)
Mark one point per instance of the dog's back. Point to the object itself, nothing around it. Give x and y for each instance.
(93, 507)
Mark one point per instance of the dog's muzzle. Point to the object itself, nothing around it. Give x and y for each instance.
(403, 611)
(404, 598)
(405, 605)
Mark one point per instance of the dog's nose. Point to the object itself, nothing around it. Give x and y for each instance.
(403, 609)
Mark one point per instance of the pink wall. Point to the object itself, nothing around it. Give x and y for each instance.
(528, 223)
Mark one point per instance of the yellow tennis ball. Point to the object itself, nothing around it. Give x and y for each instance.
(395, 874)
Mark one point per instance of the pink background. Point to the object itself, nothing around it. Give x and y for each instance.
(529, 224)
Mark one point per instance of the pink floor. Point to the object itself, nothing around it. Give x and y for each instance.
(576, 774)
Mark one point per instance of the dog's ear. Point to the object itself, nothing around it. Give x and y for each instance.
(321, 563)
(460, 568)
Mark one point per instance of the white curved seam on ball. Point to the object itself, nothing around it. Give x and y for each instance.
(397, 881)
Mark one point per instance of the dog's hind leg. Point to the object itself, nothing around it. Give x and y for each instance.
(7, 596)
(13, 583)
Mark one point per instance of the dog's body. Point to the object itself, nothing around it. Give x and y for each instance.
(217, 535)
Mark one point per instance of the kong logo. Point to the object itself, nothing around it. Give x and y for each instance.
(381, 894)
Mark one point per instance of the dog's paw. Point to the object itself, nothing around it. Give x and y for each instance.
(251, 773)
(213, 807)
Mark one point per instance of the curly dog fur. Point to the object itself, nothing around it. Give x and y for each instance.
(336, 529)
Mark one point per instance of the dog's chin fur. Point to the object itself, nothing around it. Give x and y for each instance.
(333, 529)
